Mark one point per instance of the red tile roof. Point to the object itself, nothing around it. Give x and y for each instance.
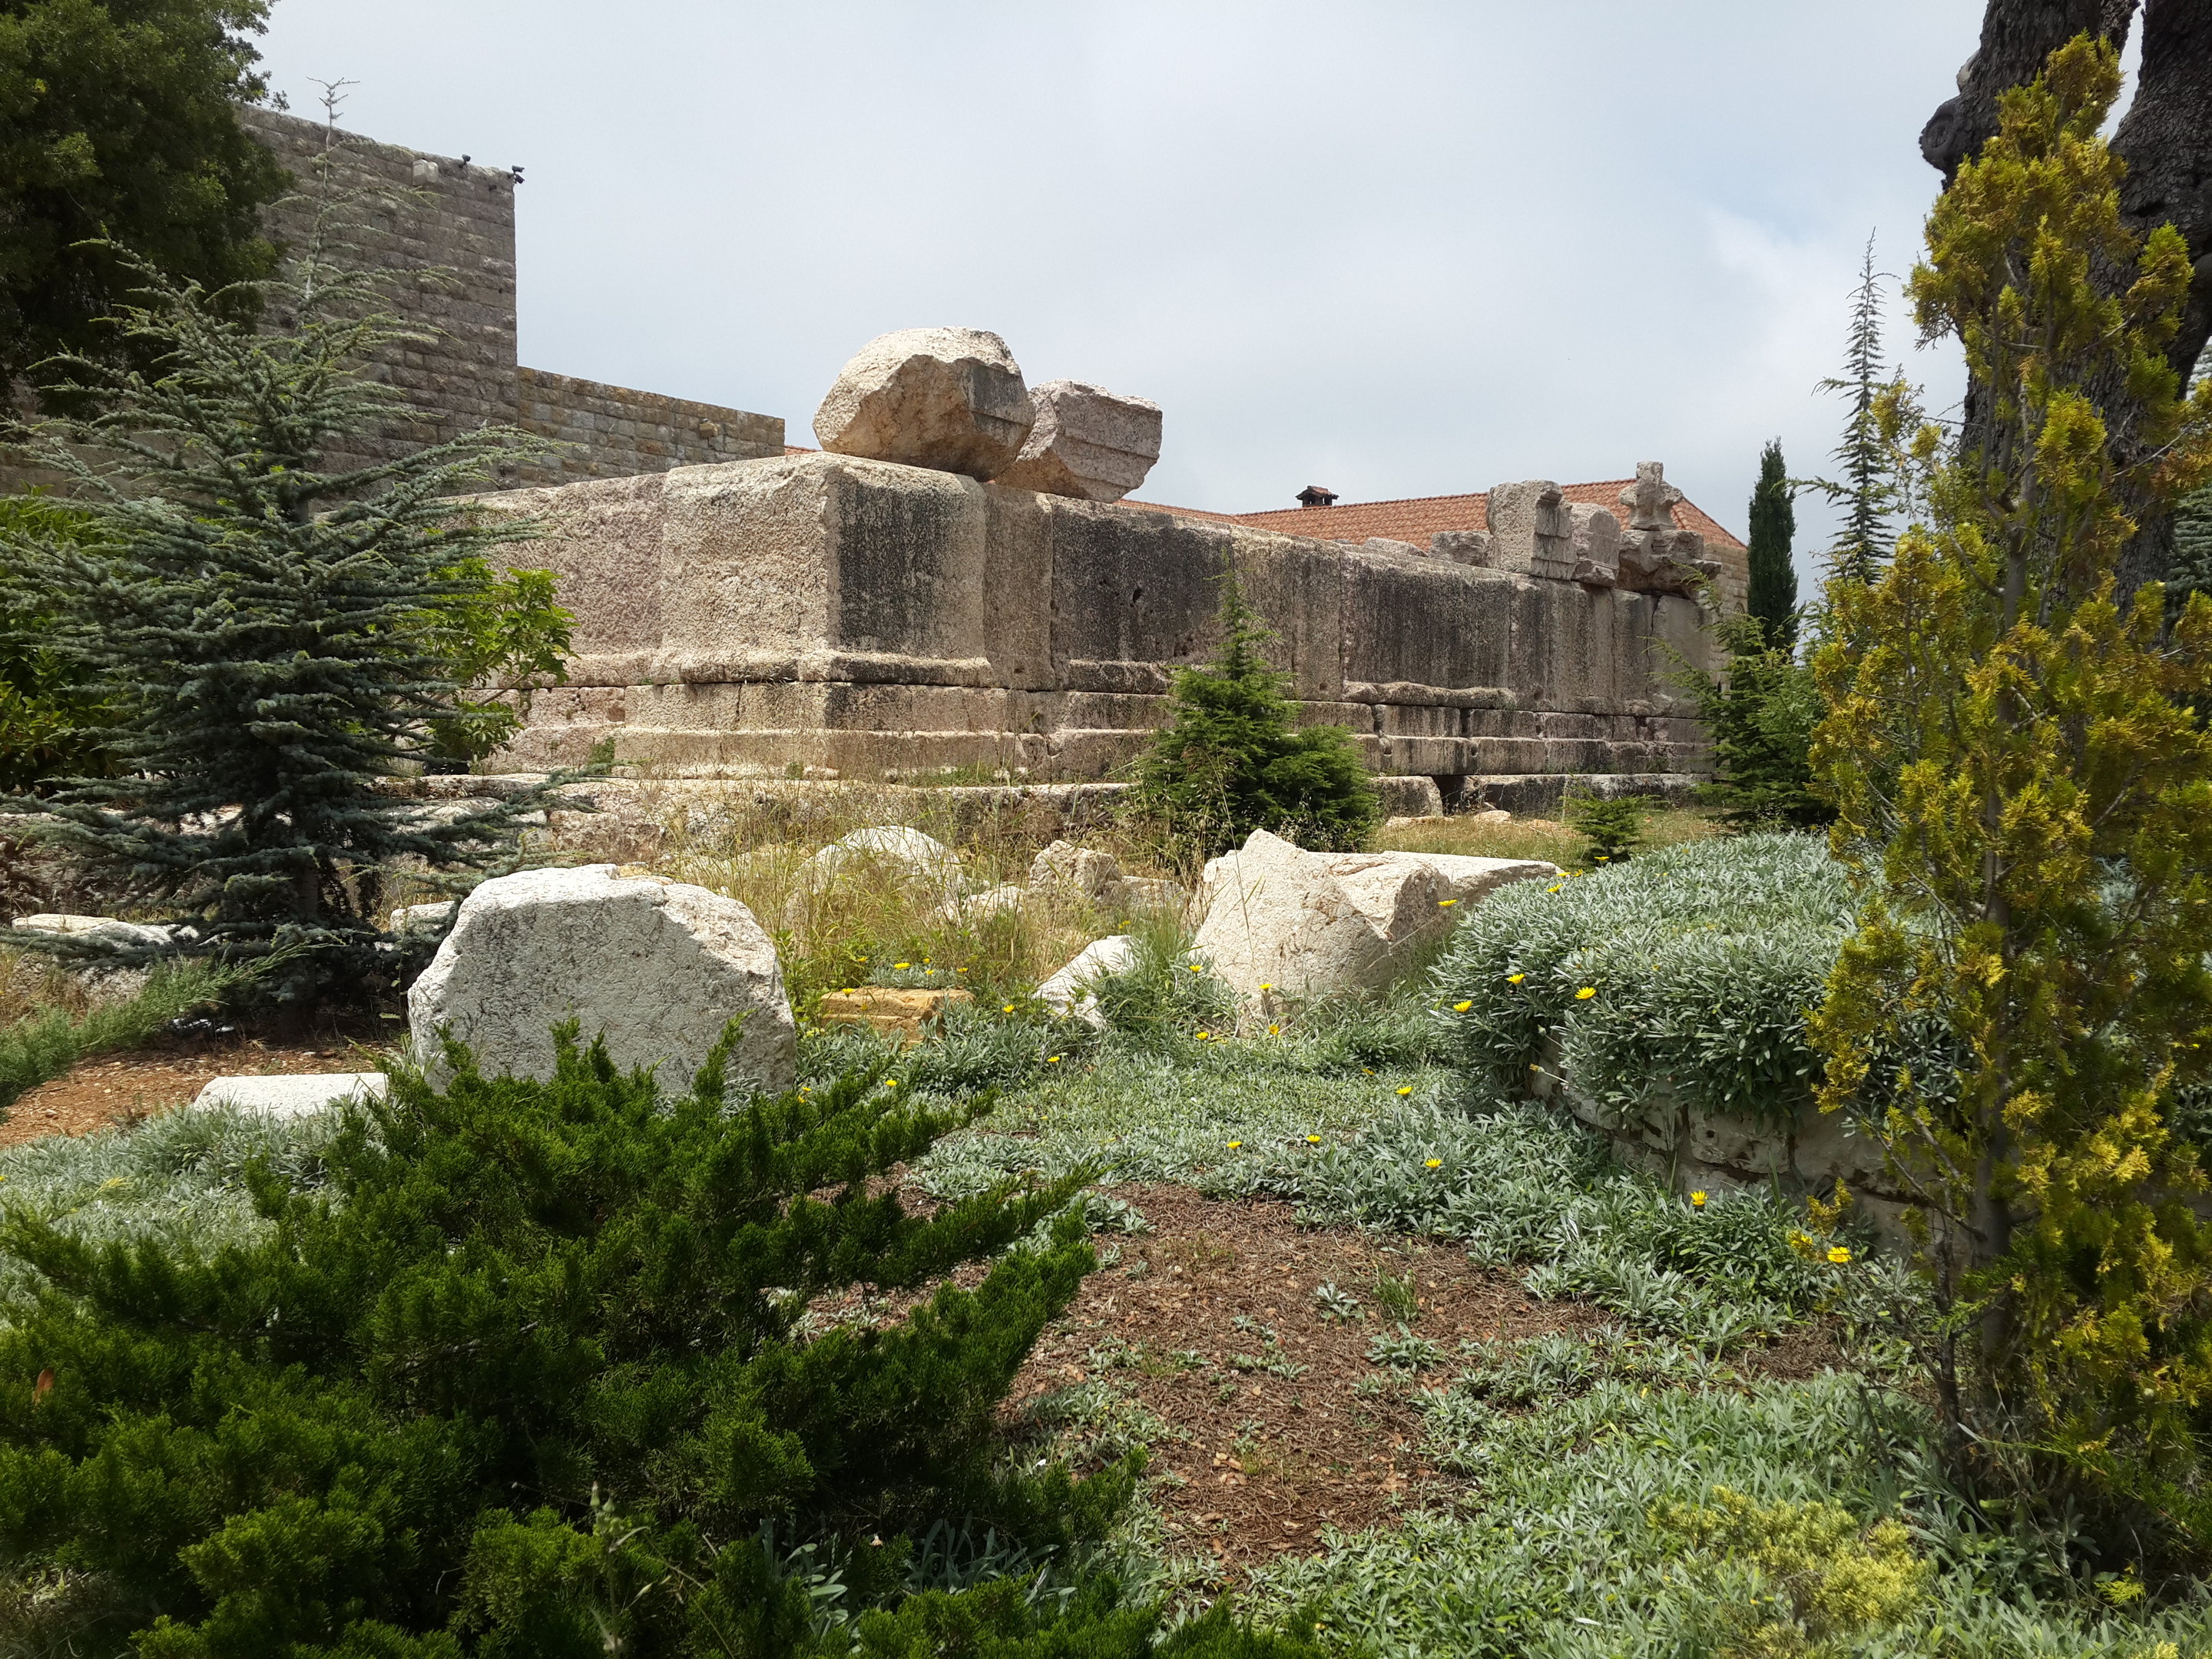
(1418, 517)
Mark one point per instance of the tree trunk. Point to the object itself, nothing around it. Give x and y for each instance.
(2165, 140)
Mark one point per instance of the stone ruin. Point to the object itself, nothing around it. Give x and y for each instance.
(954, 582)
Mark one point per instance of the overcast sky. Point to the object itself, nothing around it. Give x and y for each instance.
(1395, 249)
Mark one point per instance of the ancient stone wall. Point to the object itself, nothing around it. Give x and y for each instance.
(446, 228)
(611, 431)
(823, 611)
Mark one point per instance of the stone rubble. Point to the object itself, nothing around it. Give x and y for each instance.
(947, 398)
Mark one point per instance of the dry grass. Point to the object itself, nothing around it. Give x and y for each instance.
(31, 983)
(1537, 838)
(875, 920)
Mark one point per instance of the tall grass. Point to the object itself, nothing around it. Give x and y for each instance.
(43, 1042)
(753, 844)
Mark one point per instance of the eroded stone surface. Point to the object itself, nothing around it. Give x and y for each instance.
(1068, 992)
(890, 1011)
(1088, 442)
(1279, 919)
(950, 398)
(293, 1094)
(657, 966)
(1594, 539)
(1531, 529)
(1075, 869)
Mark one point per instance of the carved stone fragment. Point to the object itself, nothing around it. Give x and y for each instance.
(1088, 442)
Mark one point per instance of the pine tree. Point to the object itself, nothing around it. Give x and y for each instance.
(1233, 758)
(1864, 543)
(1774, 596)
(270, 637)
(2025, 801)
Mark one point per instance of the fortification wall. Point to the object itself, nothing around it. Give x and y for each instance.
(611, 431)
(446, 229)
(825, 611)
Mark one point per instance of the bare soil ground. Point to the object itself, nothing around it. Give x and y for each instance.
(115, 1089)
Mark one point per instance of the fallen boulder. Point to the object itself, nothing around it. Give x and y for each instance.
(657, 966)
(950, 398)
(1068, 991)
(1088, 442)
(1276, 918)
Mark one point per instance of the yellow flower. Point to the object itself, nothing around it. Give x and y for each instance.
(1313, 1140)
(1405, 1089)
(1515, 979)
(897, 966)
(1838, 1255)
(1234, 1145)
(1446, 904)
(1197, 967)
(1202, 1036)
(1586, 994)
(1264, 985)
(1274, 1030)
(1052, 1059)
(1553, 888)
(1698, 1199)
(1436, 1163)
(890, 1083)
(1461, 1007)
(1533, 1067)
(1008, 1009)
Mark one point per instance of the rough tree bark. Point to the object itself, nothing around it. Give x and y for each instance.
(2165, 138)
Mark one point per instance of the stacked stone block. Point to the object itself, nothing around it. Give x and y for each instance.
(824, 610)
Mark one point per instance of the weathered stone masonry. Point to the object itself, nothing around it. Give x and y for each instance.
(823, 610)
(423, 214)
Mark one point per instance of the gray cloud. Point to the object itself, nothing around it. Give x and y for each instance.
(1397, 249)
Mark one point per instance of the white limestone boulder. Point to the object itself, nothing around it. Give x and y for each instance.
(1068, 991)
(292, 1095)
(1278, 918)
(1088, 442)
(1531, 531)
(656, 966)
(950, 398)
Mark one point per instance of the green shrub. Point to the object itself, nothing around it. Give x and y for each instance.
(1611, 826)
(1233, 759)
(43, 1046)
(50, 711)
(523, 1368)
(1760, 714)
(1701, 962)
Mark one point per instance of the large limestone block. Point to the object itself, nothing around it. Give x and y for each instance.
(657, 966)
(1279, 919)
(292, 1095)
(1531, 529)
(951, 398)
(1082, 871)
(1593, 539)
(1088, 442)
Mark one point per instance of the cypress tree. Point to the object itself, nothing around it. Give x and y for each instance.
(269, 635)
(1774, 596)
(1233, 758)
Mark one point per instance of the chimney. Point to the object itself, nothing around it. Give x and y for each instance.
(1316, 496)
